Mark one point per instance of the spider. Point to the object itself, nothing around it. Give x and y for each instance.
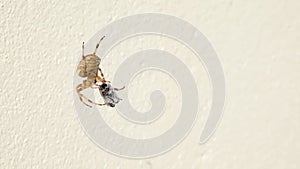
(88, 68)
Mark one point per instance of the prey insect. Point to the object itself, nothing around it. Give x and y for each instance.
(89, 68)
(109, 95)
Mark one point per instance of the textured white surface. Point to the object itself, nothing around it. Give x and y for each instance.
(258, 45)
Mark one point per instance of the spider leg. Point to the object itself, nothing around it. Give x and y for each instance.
(95, 86)
(79, 88)
(82, 50)
(86, 84)
(97, 46)
(102, 75)
(98, 104)
(118, 89)
(100, 79)
(80, 97)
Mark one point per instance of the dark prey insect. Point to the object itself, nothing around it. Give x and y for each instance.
(88, 68)
(109, 95)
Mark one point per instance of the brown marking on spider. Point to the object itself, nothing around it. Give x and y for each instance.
(88, 68)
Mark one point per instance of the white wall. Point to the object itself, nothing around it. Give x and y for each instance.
(257, 42)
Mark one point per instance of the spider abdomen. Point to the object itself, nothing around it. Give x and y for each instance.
(88, 65)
